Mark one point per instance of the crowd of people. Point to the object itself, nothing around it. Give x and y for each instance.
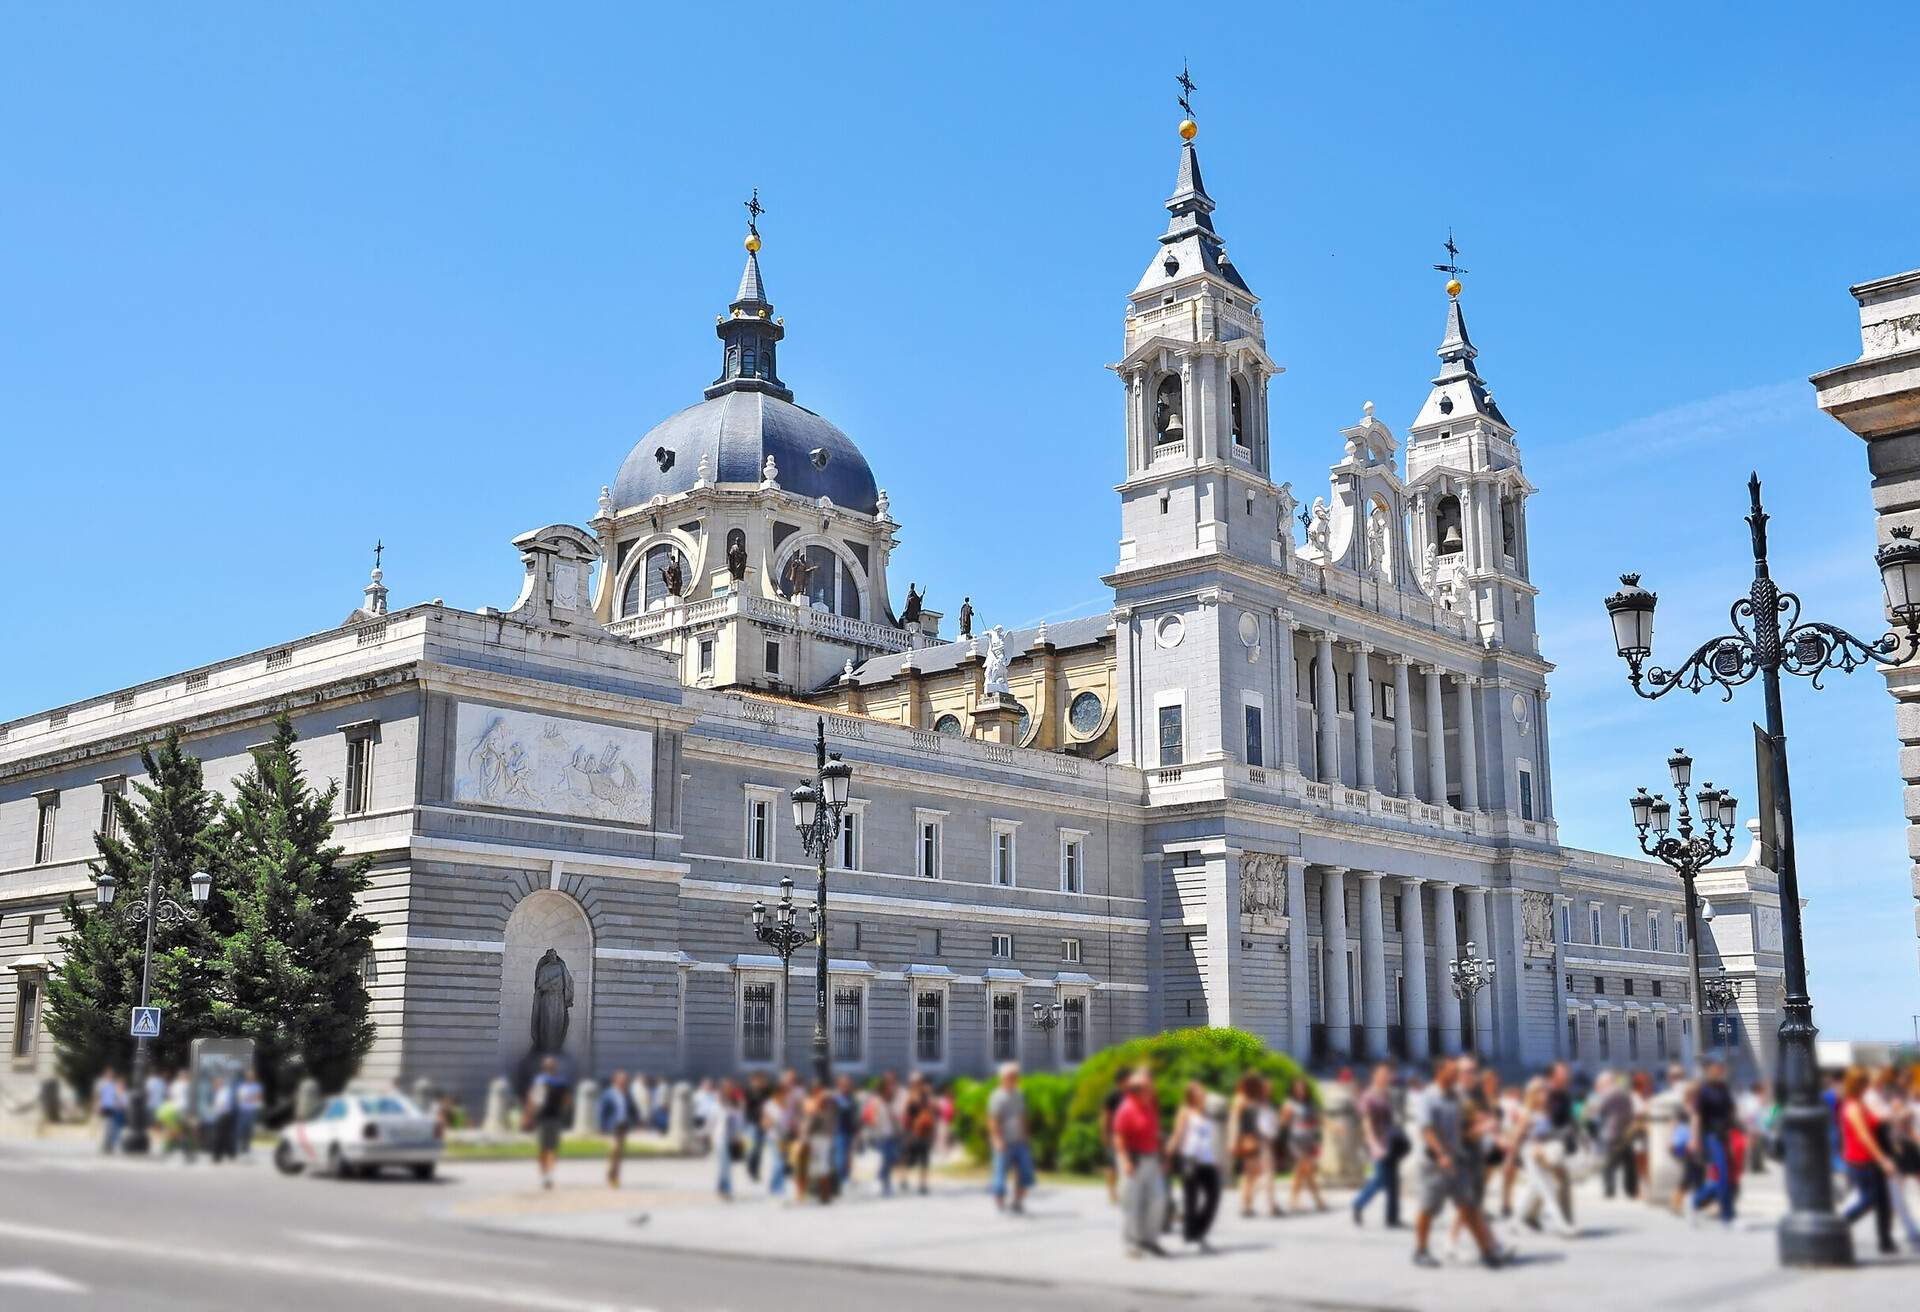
(216, 1117)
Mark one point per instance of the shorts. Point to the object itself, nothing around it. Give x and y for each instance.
(1460, 1186)
(1015, 1159)
(549, 1133)
(916, 1152)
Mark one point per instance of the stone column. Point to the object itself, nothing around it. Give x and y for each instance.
(1482, 947)
(1362, 717)
(1190, 406)
(1326, 712)
(1299, 987)
(1333, 975)
(1469, 528)
(1373, 965)
(1286, 698)
(1446, 950)
(1469, 765)
(1403, 730)
(1436, 735)
(1413, 966)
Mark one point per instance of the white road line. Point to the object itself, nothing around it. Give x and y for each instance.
(351, 1243)
(32, 1277)
(324, 1273)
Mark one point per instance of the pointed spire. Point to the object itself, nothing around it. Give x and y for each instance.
(1190, 245)
(1456, 348)
(752, 291)
(748, 329)
(1458, 390)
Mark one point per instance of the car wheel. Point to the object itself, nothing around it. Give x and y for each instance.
(337, 1164)
(285, 1161)
(423, 1171)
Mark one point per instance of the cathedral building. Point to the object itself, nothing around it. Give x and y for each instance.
(1297, 770)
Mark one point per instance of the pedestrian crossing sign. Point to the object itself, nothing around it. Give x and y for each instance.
(146, 1022)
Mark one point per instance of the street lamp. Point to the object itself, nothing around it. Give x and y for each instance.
(1687, 852)
(1046, 1019)
(818, 805)
(1471, 974)
(1720, 996)
(152, 910)
(1769, 636)
(790, 929)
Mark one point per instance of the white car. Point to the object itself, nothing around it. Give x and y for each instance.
(357, 1134)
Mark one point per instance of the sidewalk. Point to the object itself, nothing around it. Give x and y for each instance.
(1627, 1252)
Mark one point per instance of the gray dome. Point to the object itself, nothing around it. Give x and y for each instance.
(736, 431)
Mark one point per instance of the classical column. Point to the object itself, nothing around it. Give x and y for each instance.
(1482, 947)
(1469, 528)
(1333, 974)
(1373, 966)
(1299, 989)
(1326, 712)
(1436, 736)
(1286, 698)
(1413, 970)
(1469, 764)
(1362, 717)
(1403, 730)
(1446, 950)
(1190, 406)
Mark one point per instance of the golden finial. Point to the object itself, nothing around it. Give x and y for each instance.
(753, 242)
(1188, 128)
(754, 210)
(1452, 267)
(1453, 286)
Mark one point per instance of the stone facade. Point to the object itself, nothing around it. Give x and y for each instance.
(1279, 785)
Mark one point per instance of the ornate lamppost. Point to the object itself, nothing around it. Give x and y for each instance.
(1046, 1019)
(1687, 852)
(817, 808)
(1769, 636)
(1470, 974)
(790, 930)
(152, 910)
(1720, 995)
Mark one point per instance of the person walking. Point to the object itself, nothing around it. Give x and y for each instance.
(880, 1120)
(1541, 1151)
(1143, 1188)
(726, 1135)
(616, 1117)
(1109, 1106)
(1300, 1122)
(1902, 1142)
(780, 1115)
(846, 1131)
(177, 1118)
(1248, 1114)
(1446, 1172)
(1710, 1143)
(918, 1125)
(1007, 1134)
(819, 1127)
(250, 1099)
(549, 1098)
(1195, 1145)
(1386, 1145)
(223, 1100)
(1867, 1162)
(753, 1105)
(1613, 1112)
(110, 1102)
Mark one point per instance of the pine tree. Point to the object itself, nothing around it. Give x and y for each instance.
(291, 962)
(90, 998)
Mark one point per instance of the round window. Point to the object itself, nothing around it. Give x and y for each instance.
(1084, 713)
(1025, 727)
(947, 724)
(1169, 630)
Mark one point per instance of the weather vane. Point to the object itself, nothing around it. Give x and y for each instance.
(1452, 267)
(1186, 90)
(378, 547)
(754, 210)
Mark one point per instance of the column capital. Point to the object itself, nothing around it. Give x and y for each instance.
(1399, 660)
(1444, 884)
(1411, 881)
(1366, 875)
(1467, 680)
(1296, 865)
(1363, 647)
(1285, 617)
(1323, 636)
(1433, 670)
(1334, 870)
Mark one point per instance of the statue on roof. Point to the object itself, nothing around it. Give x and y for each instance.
(672, 577)
(1320, 527)
(995, 674)
(737, 556)
(911, 614)
(966, 617)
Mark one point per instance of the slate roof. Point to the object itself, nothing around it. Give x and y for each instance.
(1082, 632)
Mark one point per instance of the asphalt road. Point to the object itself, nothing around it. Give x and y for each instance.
(78, 1231)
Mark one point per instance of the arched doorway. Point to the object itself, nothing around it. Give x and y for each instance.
(546, 918)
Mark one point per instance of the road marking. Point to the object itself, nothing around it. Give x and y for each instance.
(324, 1273)
(32, 1277)
(352, 1243)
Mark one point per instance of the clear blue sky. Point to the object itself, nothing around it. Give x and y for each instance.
(276, 281)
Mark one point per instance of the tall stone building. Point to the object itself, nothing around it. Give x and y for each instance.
(1878, 398)
(1279, 784)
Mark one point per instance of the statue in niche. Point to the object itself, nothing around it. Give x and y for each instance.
(911, 614)
(1377, 541)
(1320, 527)
(966, 617)
(1288, 505)
(737, 555)
(672, 577)
(1536, 913)
(996, 669)
(1263, 886)
(552, 1000)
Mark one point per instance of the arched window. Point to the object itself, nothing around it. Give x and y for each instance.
(1509, 526)
(1239, 427)
(733, 362)
(766, 359)
(947, 724)
(748, 359)
(830, 582)
(1446, 526)
(647, 584)
(1168, 426)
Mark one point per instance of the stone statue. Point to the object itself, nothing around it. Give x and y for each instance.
(911, 615)
(1288, 504)
(1263, 886)
(846, 671)
(737, 559)
(1430, 571)
(672, 576)
(1320, 527)
(996, 671)
(966, 617)
(1536, 914)
(1377, 541)
(552, 1000)
(793, 580)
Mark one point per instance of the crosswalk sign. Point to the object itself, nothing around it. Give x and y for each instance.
(146, 1022)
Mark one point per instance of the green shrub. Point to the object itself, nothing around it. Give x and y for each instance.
(1081, 1151)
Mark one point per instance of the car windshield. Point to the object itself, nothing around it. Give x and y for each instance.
(390, 1105)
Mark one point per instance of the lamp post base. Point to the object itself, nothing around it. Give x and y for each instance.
(1815, 1239)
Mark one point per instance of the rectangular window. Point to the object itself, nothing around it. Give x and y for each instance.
(930, 1027)
(1073, 1030)
(756, 1022)
(1599, 985)
(1003, 855)
(1573, 1038)
(773, 659)
(1626, 928)
(1566, 922)
(1070, 950)
(1526, 794)
(851, 824)
(1633, 1038)
(1593, 924)
(1006, 1015)
(759, 829)
(1172, 735)
(1256, 748)
(1606, 1040)
(1660, 1037)
(927, 855)
(1656, 988)
(43, 829)
(1385, 702)
(1569, 981)
(1679, 934)
(1071, 878)
(26, 1014)
(1628, 985)
(848, 1002)
(1653, 930)
(706, 656)
(1003, 946)
(109, 813)
(359, 790)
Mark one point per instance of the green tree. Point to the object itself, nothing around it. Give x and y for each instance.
(291, 961)
(90, 997)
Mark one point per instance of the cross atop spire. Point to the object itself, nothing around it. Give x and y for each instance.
(1452, 267)
(378, 548)
(754, 210)
(1186, 90)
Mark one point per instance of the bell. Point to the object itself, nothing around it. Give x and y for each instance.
(1174, 428)
(1450, 542)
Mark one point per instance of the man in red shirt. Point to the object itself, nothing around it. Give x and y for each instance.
(1143, 1189)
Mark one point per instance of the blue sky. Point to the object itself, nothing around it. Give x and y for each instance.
(278, 281)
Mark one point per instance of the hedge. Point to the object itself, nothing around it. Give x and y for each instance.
(1063, 1111)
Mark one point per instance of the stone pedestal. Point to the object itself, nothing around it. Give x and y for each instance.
(1343, 1156)
(499, 1118)
(997, 718)
(306, 1099)
(683, 1136)
(586, 1102)
(1664, 1111)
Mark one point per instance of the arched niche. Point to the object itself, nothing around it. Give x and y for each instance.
(546, 918)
